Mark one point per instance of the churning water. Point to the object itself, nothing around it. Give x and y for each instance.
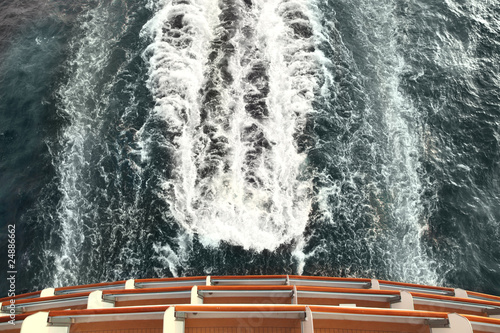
(186, 137)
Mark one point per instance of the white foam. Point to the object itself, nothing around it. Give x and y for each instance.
(168, 257)
(92, 54)
(176, 75)
(225, 206)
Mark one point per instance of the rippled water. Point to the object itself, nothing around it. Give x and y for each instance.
(321, 137)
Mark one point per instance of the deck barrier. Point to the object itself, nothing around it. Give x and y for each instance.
(237, 304)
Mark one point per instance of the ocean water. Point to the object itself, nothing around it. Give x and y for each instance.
(158, 138)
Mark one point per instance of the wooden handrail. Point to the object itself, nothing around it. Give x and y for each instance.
(34, 293)
(246, 287)
(328, 278)
(49, 298)
(480, 319)
(455, 299)
(146, 290)
(379, 312)
(124, 310)
(247, 277)
(348, 290)
(185, 278)
(239, 308)
(19, 317)
(473, 293)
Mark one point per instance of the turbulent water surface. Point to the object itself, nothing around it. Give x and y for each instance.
(154, 138)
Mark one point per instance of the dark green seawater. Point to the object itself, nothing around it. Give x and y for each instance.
(160, 138)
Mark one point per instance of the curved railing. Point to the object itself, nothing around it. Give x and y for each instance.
(257, 304)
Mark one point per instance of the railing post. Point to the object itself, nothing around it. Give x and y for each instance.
(95, 301)
(307, 324)
(458, 324)
(406, 302)
(130, 284)
(47, 292)
(295, 296)
(208, 281)
(375, 284)
(171, 324)
(461, 293)
(38, 323)
(195, 298)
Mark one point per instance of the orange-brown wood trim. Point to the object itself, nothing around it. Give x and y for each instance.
(108, 311)
(247, 300)
(456, 299)
(49, 298)
(185, 278)
(473, 293)
(19, 317)
(348, 290)
(146, 290)
(327, 278)
(247, 277)
(245, 287)
(486, 320)
(235, 308)
(34, 293)
(379, 312)
(338, 301)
